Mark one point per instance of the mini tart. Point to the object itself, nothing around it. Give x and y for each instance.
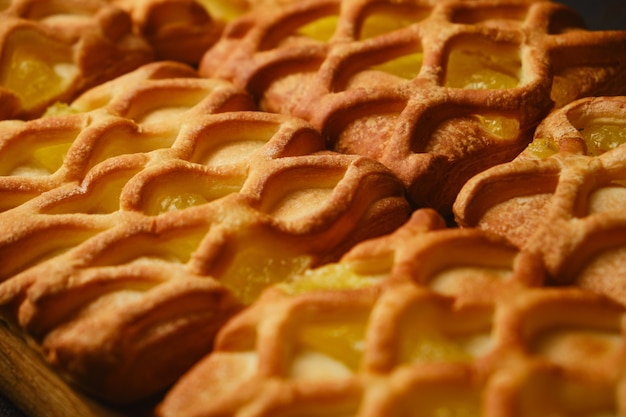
(563, 197)
(53, 50)
(161, 203)
(386, 331)
(437, 91)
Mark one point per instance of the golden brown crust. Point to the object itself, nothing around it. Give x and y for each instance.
(563, 196)
(54, 50)
(432, 121)
(200, 230)
(168, 206)
(180, 30)
(401, 342)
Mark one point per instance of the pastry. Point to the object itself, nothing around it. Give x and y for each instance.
(436, 90)
(53, 50)
(563, 197)
(286, 208)
(180, 30)
(147, 212)
(402, 337)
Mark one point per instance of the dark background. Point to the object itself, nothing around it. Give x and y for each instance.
(598, 14)
(601, 14)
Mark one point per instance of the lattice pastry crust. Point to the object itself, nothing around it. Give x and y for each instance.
(53, 50)
(436, 90)
(564, 196)
(154, 207)
(425, 322)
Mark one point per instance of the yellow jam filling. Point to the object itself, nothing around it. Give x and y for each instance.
(601, 138)
(406, 66)
(50, 158)
(502, 127)
(181, 202)
(321, 30)
(564, 90)
(42, 157)
(482, 69)
(37, 71)
(337, 276)
(386, 21)
(225, 9)
(543, 148)
(343, 341)
(254, 269)
(182, 190)
(59, 109)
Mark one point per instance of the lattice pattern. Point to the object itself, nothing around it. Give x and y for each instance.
(152, 208)
(53, 50)
(436, 90)
(403, 338)
(564, 196)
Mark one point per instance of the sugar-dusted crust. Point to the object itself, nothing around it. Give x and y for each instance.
(476, 78)
(172, 204)
(407, 336)
(54, 50)
(563, 197)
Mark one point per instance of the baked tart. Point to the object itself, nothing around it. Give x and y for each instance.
(143, 215)
(436, 90)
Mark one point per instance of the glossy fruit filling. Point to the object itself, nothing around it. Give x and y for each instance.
(487, 68)
(603, 137)
(405, 66)
(336, 276)
(35, 69)
(255, 268)
(542, 148)
(381, 22)
(182, 190)
(338, 344)
(225, 9)
(501, 127)
(180, 202)
(321, 29)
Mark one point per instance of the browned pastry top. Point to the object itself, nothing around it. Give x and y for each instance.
(437, 91)
(563, 197)
(444, 321)
(148, 211)
(54, 50)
